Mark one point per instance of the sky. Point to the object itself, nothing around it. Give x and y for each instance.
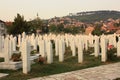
(51, 8)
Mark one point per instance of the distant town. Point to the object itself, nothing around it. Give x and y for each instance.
(104, 22)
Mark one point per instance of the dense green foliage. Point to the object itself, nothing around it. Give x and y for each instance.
(56, 28)
(35, 24)
(111, 54)
(97, 31)
(60, 29)
(19, 25)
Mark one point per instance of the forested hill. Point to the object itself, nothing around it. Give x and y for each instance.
(93, 16)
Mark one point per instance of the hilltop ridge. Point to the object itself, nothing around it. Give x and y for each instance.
(92, 16)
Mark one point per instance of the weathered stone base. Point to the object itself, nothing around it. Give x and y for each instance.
(94, 54)
(16, 65)
(3, 74)
(11, 65)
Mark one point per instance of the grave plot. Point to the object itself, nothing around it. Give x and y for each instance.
(49, 54)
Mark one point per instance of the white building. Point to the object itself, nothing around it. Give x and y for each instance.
(2, 28)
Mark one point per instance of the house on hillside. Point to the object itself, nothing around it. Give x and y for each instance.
(3, 29)
(109, 27)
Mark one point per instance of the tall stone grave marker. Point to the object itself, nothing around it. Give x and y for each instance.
(26, 57)
(103, 49)
(6, 50)
(96, 46)
(56, 47)
(118, 49)
(80, 52)
(49, 53)
(61, 51)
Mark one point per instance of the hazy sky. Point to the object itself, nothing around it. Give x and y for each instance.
(50, 8)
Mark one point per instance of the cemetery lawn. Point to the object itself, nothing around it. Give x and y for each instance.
(70, 64)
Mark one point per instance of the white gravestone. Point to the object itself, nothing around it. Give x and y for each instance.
(6, 50)
(61, 51)
(118, 49)
(103, 50)
(73, 48)
(26, 57)
(49, 53)
(19, 40)
(42, 48)
(56, 47)
(0, 44)
(96, 46)
(14, 43)
(80, 52)
(10, 48)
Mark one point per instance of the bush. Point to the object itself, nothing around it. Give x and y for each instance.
(16, 57)
(89, 51)
(111, 54)
(41, 60)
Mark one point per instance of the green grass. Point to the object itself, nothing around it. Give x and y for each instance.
(117, 79)
(70, 64)
(1, 59)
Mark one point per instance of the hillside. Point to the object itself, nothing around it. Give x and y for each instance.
(93, 16)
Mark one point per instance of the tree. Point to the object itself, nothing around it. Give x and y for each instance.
(52, 28)
(19, 25)
(45, 28)
(36, 24)
(9, 28)
(67, 30)
(75, 30)
(97, 31)
(56, 28)
(60, 28)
